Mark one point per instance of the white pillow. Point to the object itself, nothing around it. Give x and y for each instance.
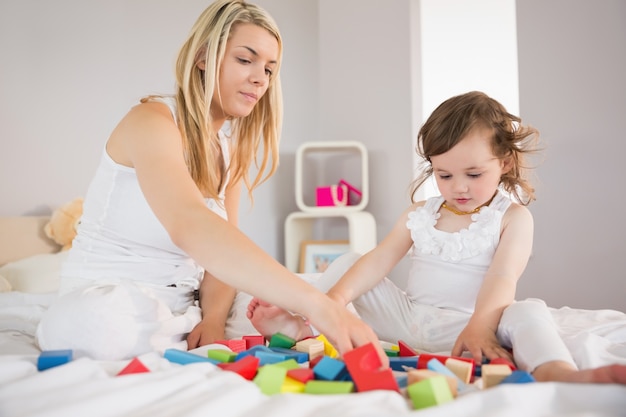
(34, 274)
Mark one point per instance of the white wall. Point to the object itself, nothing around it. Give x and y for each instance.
(350, 70)
(572, 61)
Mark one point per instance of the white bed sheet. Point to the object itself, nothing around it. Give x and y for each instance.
(86, 387)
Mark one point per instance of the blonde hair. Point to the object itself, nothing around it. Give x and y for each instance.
(455, 118)
(196, 89)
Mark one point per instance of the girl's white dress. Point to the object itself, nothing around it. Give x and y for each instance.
(446, 273)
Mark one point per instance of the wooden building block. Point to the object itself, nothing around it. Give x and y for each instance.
(364, 366)
(503, 361)
(313, 347)
(299, 357)
(288, 364)
(405, 349)
(292, 385)
(221, 355)
(328, 387)
(400, 363)
(329, 369)
(182, 357)
(314, 361)
(518, 377)
(494, 374)
(253, 340)
(236, 345)
(270, 379)
(135, 366)
(462, 369)
(418, 375)
(282, 341)
(51, 358)
(247, 367)
(329, 349)
(301, 374)
(422, 361)
(429, 392)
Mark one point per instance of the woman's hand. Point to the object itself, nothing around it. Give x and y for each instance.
(344, 330)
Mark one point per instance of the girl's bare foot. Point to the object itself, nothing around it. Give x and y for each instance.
(269, 320)
(563, 372)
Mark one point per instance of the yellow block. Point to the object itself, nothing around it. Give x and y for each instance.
(329, 350)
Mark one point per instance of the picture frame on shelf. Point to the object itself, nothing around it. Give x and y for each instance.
(316, 255)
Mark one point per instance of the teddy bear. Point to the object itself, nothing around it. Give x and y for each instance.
(41, 273)
(63, 222)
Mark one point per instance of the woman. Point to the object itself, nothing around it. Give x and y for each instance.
(160, 215)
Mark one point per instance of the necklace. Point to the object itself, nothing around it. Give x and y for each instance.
(464, 213)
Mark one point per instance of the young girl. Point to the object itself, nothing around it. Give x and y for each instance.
(160, 216)
(468, 248)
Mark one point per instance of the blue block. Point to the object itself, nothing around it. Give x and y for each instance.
(478, 371)
(330, 369)
(518, 377)
(252, 351)
(402, 380)
(396, 363)
(184, 358)
(267, 358)
(300, 357)
(437, 366)
(51, 358)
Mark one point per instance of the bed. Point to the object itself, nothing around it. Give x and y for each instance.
(90, 387)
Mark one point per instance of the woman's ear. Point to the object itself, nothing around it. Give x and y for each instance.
(201, 59)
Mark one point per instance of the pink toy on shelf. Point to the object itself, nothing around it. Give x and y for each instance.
(342, 194)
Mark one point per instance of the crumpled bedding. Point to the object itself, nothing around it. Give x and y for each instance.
(89, 387)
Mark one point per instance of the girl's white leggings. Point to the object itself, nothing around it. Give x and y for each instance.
(526, 326)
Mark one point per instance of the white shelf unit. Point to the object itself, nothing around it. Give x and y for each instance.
(331, 148)
(299, 227)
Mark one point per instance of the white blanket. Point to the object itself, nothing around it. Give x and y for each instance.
(86, 387)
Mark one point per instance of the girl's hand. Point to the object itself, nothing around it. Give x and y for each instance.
(480, 341)
(205, 332)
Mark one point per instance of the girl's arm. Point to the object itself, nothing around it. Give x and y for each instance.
(372, 267)
(148, 140)
(498, 288)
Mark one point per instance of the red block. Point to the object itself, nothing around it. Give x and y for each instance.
(247, 366)
(301, 374)
(364, 365)
(406, 350)
(253, 340)
(134, 367)
(314, 361)
(234, 344)
(503, 361)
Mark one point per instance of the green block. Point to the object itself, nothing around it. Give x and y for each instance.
(288, 364)
(328, 387)
(429, 392)
(281, 340)
(392, 353)
(222, 355)
(270, 379)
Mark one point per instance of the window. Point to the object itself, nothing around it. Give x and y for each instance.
(465, 46)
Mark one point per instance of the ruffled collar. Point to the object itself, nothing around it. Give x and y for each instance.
(481, 235)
